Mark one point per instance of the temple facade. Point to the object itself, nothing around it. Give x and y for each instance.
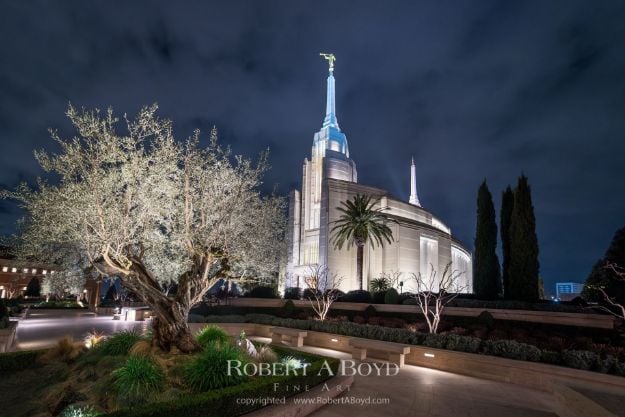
(421, 242)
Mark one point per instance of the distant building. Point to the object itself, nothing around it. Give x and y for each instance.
(566, 291)
(421, 240)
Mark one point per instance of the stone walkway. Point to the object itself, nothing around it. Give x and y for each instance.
(424, 392)
(43, 328)
(414, 392)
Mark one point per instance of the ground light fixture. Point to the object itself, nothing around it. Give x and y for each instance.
(428, 355)
(334, 340)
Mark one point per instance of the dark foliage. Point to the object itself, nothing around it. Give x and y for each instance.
(358, 296)
(33, 289)
(262, 292)
(378, 297)
(391, 297)
(524, 266)
(600, 276)
(486, 275)
(505, 218)
(292, 293)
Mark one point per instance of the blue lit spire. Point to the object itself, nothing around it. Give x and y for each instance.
(330, 135)
(330, 119)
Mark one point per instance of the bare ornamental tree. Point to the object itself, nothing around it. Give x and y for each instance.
(433, 294)
(323, 289)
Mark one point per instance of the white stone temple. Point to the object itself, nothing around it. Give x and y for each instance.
(329, 177)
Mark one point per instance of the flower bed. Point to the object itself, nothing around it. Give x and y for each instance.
(123, 376)
(511, 349)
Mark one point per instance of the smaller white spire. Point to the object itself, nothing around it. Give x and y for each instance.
(414, 198)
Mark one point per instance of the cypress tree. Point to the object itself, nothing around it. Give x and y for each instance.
(523, 268)
(486, 276)
(33, 289)
(505, 217)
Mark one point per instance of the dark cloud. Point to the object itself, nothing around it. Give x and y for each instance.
(474, 90)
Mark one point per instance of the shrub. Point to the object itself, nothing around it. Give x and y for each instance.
(309, 294)
(437, 341)
(486, 319)
(512, 350)
(551, 357)
(262, 291)
(288, 309)
(4, 310)
(411, 301)
(17, 361)
(357, 296)
(79, 411)
(379, 284)
(119, 343)
(195, 318)
(94, 338)
(580, 359)
(391, 297)
(234, 318)
(405, 296)
(370, 311)
(66, 350)
(378, 297)
(141, 348)
(266, 354)
(292, 293)
(138, 379)
(212, 334)
(463, 343)
(209, 369)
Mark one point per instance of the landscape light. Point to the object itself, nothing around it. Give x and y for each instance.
(25, 270)
(34, 270)
(428, 355)
(5, 268)
(13, 269)
(334, 340)
(44, 272)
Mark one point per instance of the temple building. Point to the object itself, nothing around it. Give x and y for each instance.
(420, 240)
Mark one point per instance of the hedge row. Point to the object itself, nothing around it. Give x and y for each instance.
(510, 349)
(17, 361)
(223, 402)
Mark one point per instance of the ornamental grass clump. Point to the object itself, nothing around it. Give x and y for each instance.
(209, 369)
(80, 411)
(212, 334)
(138, 380)
(119, 343)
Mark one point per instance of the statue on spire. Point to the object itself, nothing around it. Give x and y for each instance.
(330, 58)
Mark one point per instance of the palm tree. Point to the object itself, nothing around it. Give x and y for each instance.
(359, 223)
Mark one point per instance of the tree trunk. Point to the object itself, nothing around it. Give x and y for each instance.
(172, 330)
(359, 261)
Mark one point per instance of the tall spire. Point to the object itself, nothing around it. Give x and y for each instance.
(414, 198)
(330, 119)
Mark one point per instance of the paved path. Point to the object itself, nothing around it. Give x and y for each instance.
(424, 392)
(43, 328)
(415, 392)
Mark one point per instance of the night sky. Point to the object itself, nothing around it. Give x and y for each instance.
(473, 89)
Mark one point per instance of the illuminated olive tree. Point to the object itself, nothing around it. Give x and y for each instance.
(150, 210)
